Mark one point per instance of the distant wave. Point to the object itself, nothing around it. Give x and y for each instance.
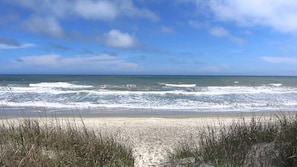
(276, 84)
(58, 85)
(180, 85)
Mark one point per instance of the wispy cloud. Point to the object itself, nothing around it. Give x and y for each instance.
(7, 43)
(197, 24)
(167, 29)
(25, 45)
(59, 47)
(280, 60)
(217, 31)
(210, 69)
(93, 63)
(50, 60)
(222, 32)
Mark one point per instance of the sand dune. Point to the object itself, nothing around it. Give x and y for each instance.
(150, 137)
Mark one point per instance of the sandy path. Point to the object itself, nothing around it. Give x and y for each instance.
(152, 138)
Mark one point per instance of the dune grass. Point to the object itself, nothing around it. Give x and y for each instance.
(229, 145)
(30, 143)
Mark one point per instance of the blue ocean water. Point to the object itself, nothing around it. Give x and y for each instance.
(168, 94)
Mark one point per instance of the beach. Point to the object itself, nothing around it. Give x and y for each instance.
(151, 137)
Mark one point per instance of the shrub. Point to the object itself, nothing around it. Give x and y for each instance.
(229, 145)
(29, 143)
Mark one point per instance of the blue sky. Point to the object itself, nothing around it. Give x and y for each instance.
(194, 37)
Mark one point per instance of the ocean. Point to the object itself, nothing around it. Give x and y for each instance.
(146, 94)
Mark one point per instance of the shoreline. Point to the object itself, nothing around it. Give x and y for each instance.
(43, 112)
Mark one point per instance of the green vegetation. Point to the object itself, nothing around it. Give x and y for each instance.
(229, 145)
(30, 143)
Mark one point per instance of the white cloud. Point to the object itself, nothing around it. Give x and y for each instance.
(104, 62)
(118, 39)
(48, 26)
(95, 9)
(280, 60)
(280, 15)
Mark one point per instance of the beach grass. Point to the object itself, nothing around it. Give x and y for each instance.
(229, 145)
(31, 143)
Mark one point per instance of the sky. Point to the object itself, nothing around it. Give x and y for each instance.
(149, 37)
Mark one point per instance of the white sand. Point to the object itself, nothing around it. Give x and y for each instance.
(151, 138)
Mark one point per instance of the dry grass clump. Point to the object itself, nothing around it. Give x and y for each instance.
(29, 143)
(229, 145)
